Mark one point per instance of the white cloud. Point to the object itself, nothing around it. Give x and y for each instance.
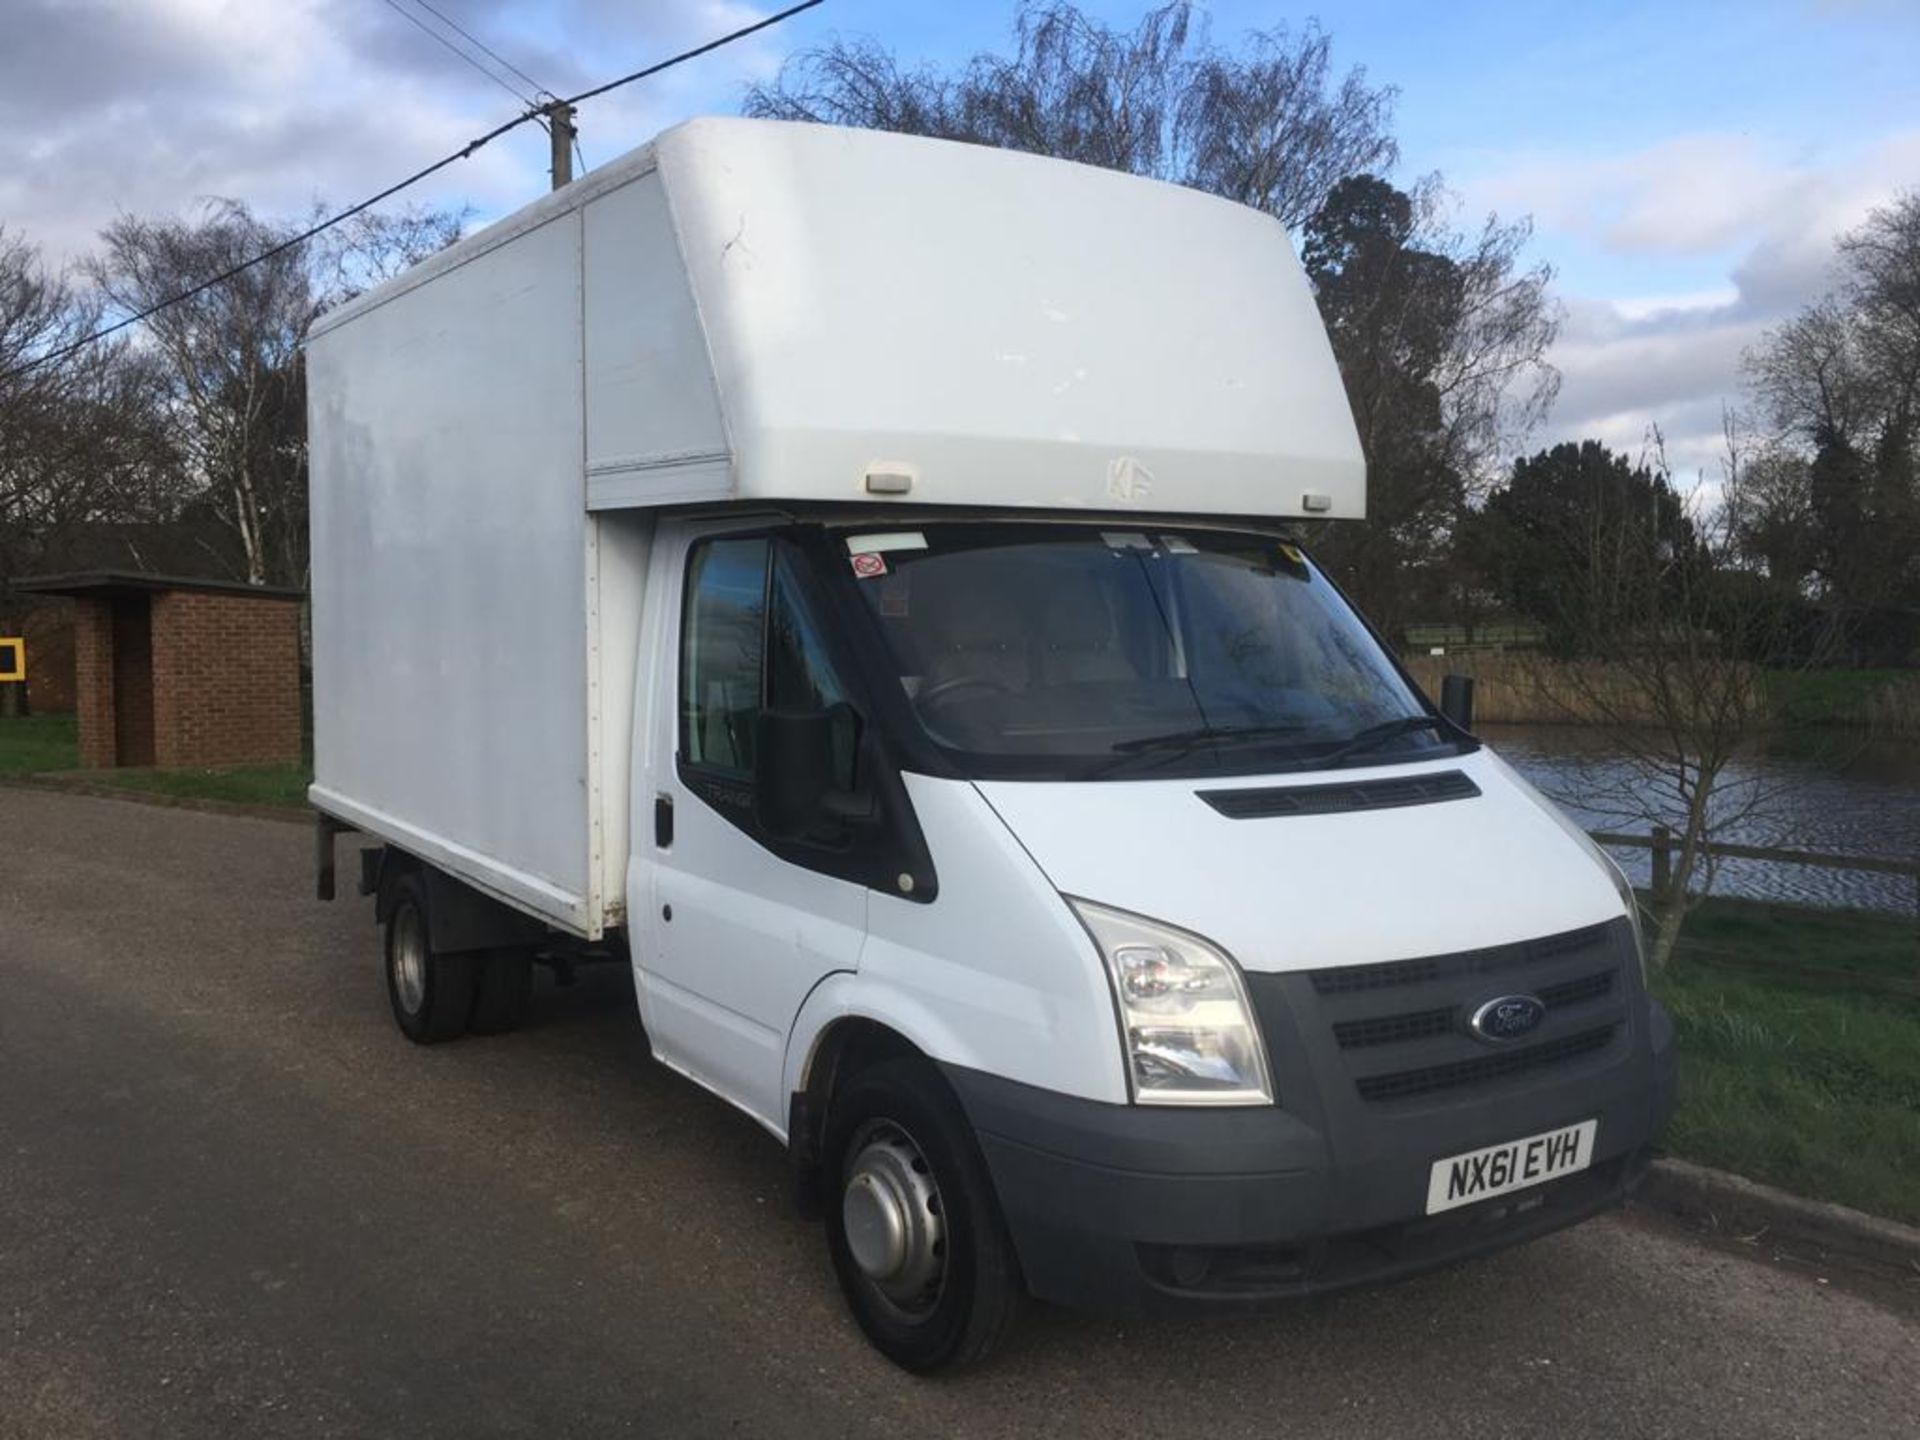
(148, 106)
(1688, 194)
(1631, 362)
(1649, 307)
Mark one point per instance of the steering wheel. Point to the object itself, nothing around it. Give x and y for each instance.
(946, 689)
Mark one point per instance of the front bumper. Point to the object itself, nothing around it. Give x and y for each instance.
(1143, 1209)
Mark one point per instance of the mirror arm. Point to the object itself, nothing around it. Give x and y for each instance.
(858, 808)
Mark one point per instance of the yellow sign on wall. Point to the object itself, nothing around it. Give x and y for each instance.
(13, 658)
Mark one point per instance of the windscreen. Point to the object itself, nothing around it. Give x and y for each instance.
(1076, 652)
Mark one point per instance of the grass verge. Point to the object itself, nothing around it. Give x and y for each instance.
(47, 745)
(1803, 1083)
(284, 785)
(32, 743)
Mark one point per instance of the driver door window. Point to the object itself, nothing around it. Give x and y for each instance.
(750, 641)
(720, 655)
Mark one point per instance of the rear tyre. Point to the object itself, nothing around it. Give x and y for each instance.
(503, 991)
(432, 995)
(913, 1226)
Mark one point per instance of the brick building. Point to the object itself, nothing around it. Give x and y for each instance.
(46, 625)
(182, 673)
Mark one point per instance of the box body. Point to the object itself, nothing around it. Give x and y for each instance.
(764, 315)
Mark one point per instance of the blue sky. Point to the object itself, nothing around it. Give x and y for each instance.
(1686, 164)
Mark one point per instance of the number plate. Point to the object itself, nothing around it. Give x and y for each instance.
(1498, 1169)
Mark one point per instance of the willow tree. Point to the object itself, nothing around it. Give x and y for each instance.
(1266, 122)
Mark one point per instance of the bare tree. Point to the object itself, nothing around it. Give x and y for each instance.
(232, 354)
(377, 245)
(1674, 633)
(1770, 515)
(1811, 376)
(82, 437)
(1840, 384)
(1495, 383)
(1270, 128)
(1882, 260)
(1265, 124)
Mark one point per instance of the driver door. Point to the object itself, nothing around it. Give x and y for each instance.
(737, 935)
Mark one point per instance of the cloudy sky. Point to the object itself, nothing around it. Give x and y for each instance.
(1686, 164)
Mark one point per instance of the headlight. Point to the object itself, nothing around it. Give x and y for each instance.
(1188, 1028)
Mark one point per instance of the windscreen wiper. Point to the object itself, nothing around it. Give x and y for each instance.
(1180, 742)
(1374, 736)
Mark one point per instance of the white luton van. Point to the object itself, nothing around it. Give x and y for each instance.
(849, 578)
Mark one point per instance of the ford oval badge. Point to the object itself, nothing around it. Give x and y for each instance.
(1508, 1017)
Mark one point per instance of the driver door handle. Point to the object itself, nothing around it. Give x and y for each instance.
(663, 821)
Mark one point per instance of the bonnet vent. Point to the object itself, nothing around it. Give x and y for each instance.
(1258, 804)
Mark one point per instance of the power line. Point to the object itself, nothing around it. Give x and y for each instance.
(522, 96)
(498, 58)
(435, 35)
(265, 255)
(740, 34)
(387, 194)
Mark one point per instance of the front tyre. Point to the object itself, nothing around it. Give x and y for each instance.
(432, 995)
(915, 1231)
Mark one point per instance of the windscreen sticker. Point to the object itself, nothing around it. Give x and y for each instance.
(1178, 545)
(1294, 557)
(893, 540)
(868, 566)
(1125, 540)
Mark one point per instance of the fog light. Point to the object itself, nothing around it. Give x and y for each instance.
(1188, 1266)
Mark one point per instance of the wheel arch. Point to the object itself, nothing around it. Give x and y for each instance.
(393, 864)
(459, 917)
(843, 1027)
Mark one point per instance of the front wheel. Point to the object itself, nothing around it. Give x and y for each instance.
(915, 1231)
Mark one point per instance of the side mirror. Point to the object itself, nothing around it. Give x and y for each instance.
(799, 754)
(1456, 700)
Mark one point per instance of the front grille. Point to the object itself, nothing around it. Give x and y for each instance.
(1576, 992)
(1344, 979)
(1392, 1029)
(1442, 1020)
(1349, 978)
(1398, 1030)
(1404, 1084)
(1268, 801)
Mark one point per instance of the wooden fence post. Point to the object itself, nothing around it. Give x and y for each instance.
(1662, 861)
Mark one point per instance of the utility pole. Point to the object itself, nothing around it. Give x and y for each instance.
(560, 132)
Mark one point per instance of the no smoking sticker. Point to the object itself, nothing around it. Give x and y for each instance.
(867, 565)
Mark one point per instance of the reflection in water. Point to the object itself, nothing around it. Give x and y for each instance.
(1860, 801)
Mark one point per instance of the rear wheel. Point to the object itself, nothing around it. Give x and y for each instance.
(503, 991)
(913, 1226)
(432, 995)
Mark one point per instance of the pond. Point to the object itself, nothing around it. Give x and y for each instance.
(1837, 794)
